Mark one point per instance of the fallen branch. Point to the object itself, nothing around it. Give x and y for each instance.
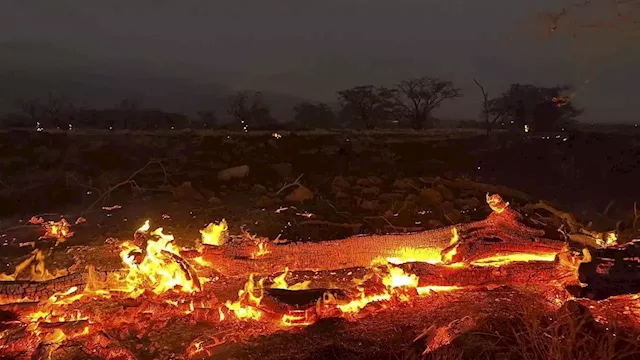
(286, 186)
(128, 181)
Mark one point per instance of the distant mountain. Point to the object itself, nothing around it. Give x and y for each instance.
(31, 71)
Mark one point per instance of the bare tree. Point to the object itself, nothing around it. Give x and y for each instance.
(368, 104)
(31, 108)
(249, 109)
(487, 111)
(583, 15)
(420, 96)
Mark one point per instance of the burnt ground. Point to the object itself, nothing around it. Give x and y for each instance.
(361, 183)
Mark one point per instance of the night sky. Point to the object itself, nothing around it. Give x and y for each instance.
(313, 48)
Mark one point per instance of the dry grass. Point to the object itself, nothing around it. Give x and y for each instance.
(568, 334)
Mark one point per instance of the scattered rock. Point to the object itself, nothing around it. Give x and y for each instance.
(468, 203)
(376, 181)
(237, 172)
(259, 189)
(283, 170)
(434, 224)
(454, 216)
(369, 205)
(342, 195)
(371, 191)
(364, 182)
(389, 214)
(214, 201)
(266, 201)
(340, 182)
(431, 196)
(403, 184)
(186, 192)
(300, 194)
(390, 197)
(445, 192)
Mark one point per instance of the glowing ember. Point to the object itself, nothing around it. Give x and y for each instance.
(58, 230)
(500, 260)
(279, 282)
(214, 234)
(496, 203)
(161, 269)
(262, 249)
(38, 270)
(246, 307)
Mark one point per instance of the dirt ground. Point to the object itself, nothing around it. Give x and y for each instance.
(347, 183)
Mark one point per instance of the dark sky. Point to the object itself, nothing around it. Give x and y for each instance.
(313, 48)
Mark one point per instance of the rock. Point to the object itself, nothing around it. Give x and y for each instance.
(237, 172)
(369, 205)
(411, 199)
(283, 170)
(390, 197)
(186, 192)
(364, 182)
(434, 224)
(259, 189)
(431, 196)
(454, 216)
(266, 201)
(468, 203)
(340, 182)
(371, 191)
(446, 206)
(445, 192)
(376, 181)
(300, 194)
(389, 214)
(342, 195)
(403, 184)
(214, 201)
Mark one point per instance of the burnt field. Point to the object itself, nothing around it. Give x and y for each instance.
(446, 245)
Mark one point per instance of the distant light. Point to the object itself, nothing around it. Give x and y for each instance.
(110, 127)
(276, 135)
(526, 128)
(512, 121)
(172, 128)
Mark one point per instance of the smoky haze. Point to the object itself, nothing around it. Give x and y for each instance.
(182, 54)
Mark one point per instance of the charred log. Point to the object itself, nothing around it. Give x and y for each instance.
(611, 271)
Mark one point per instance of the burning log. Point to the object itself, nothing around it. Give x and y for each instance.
(612, 271)
(25, 290)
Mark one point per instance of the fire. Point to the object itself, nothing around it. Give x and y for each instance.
(262, 249)
(398, 278)
(496, 203)
(279, 282)
(499, 260)
(247, 305)
(406, 255)
(214, 234)
(448, 256)
(59, 230)
(38, 270)
(162, 269)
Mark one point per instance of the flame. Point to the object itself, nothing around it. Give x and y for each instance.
(38, 270)
(406, 254)
(398, 278)
(500, 260)
(496, 203)
(160, 269)
(279, 282)
(455, 238)
(59, 230)
(246, 307)
(262, 249)
(214, 234)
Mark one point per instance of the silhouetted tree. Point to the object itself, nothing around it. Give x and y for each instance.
(539, 108)
(58, 110)
(208, 118)
(248, 109)
(368, 104)
(314, 115)
(490, 115)
(419, 97)
(33, 109)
